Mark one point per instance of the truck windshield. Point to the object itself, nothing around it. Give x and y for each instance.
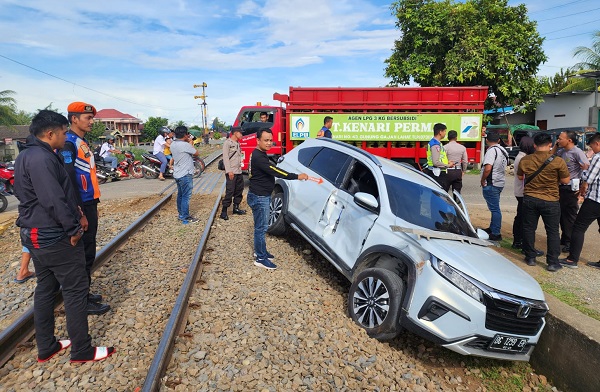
(425, 207)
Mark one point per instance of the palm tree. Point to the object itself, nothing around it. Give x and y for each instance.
(7, 107)
(590, 61)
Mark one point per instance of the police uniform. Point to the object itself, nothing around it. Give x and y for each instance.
(441, 178)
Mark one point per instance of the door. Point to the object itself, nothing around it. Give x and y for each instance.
(343, 224)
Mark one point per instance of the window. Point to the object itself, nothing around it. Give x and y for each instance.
(306, 155)
(331, 164)
(426, 207)
(250, 121)
(361, 179)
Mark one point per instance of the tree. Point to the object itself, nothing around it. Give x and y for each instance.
(176, 124)
(152, 126)
(590, 61)
(478, 42)
(556, 83)
(8, 107)
(98, 129)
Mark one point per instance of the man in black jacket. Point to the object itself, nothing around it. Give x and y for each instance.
(262, 182)
(50, 222)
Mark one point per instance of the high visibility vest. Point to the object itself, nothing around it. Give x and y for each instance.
(443, 155)
(85, 168)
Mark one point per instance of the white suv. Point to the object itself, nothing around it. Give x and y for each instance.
(414, 259)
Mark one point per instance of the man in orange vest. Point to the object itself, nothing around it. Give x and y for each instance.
(79, 162)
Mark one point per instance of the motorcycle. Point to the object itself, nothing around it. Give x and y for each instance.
(3, 193)
(129, 166)
(7, 172)
(151, 167)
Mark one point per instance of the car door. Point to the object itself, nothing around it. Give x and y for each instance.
(328, 164)
(344, 225)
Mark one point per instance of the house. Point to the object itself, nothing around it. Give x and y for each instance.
(8, 140)
(568, 109)
(120, 124)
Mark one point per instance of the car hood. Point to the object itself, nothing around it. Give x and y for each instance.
(485, 265)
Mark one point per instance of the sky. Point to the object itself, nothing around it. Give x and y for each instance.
(144, 57)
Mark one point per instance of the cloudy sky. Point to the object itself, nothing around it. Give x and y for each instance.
(143, 57)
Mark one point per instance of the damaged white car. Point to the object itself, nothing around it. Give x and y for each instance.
(414, 259)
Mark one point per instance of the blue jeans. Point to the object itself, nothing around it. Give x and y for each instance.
(491, 194)
(260, 212)
(184, 194)
(112, 160)
(163, 161)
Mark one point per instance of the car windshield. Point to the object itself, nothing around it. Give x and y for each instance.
(425, 207)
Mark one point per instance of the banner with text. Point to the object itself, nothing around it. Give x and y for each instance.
(386, 126)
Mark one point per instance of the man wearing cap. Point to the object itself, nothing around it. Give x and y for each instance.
(493, 177)
(234, 180)
(79, 163)
(51, 228)
(107, 150)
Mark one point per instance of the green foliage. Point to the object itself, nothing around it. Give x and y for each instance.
(557, 83)
(216, 135)
(179, 123)
(590, 57)
(152, 126)
(478, 42)
(8, 106)
(98, 129)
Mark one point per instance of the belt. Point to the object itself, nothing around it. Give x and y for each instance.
(454, 168)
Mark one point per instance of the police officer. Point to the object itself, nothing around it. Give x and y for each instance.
(51, 228)
(437, 159)
(79, 163)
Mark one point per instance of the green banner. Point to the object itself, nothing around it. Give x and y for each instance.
(386, 126)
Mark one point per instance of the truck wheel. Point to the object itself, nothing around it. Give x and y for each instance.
(277, 224)
(374, 302)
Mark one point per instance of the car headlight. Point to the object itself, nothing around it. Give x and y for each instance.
(457, 278)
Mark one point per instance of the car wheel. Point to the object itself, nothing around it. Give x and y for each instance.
(374, 302)
(277, 224)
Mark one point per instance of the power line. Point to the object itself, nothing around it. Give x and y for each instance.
(558, 6)
(572, 27)
(564, 16)
(569, 36)
(89, 88)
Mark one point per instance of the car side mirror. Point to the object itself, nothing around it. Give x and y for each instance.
(482, 235)
(366, 201)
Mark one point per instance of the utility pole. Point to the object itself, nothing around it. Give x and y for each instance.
(204, 115)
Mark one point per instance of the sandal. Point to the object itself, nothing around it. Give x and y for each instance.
(63, 345)
(100, 353)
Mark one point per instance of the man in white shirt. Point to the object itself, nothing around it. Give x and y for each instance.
(107, 150)
(492, 182)
(159, 149)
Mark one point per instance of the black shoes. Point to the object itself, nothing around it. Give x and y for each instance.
(94, 297)
(487, 230)
(95, 308)
(566, 249)
(495, 237)
(554, 267)
(237, 211)
(224, 216)
(530, 261)
(517, 245)
(538, 253)
(568, 264)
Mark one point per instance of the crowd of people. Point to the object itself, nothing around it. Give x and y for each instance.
(549, 182)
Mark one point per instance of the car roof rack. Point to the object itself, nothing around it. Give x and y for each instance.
(371, 157)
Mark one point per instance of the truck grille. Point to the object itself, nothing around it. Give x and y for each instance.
(505, 313)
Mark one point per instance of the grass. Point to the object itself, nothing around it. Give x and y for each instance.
(569, 297)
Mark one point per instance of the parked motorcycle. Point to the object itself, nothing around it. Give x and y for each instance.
(7, 172)
(151, 167)
(3, 193)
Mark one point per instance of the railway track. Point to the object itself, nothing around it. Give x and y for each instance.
(15, 340)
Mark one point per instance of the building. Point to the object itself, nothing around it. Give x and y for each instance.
(8, 140)
(124, 125)
(568, 109)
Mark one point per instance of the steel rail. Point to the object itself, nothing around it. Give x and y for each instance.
(22, 329)
(164, 351)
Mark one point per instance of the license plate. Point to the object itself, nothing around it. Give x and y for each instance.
(508, 343)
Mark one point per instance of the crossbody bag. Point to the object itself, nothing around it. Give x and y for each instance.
(546, 162)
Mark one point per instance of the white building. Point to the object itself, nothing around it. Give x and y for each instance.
(572, 109)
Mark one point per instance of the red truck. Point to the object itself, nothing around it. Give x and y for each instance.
(392, 122)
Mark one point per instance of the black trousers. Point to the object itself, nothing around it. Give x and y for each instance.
(588, 213)
(441, 179)
(63, 265)
(518, 222)
(569, 205)
(454, 180)
(90, 210)
(233, 190)
(533, 208)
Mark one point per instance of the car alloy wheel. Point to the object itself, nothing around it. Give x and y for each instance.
(277, 224)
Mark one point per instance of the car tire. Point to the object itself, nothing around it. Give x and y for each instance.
(374, 302)
(277, 225)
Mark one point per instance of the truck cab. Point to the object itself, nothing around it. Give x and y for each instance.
(249, 120)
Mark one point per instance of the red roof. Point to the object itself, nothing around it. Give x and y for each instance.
(112, 114)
